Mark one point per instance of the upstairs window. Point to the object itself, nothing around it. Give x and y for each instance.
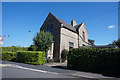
(83, 35)
(50, 28)
(71, 45)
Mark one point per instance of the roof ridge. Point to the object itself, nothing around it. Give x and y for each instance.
(65, 24)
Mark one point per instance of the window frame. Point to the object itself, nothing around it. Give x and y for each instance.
(71, 45)
(83, 35)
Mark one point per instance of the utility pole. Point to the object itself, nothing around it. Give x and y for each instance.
(29, 38)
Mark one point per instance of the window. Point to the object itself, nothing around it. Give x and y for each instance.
(71, 45)
(83, 44)
(83, 35)
(50, 28)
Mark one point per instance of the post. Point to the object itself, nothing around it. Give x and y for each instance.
(29, 39)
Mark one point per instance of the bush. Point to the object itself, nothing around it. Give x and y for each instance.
(50, 60)
(64, 55)
(14, 49)
(106, 60)
(9, 56)
(31, 57)
(32, 48)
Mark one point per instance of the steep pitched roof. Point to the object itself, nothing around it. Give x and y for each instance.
(77, 26)
(65, 24)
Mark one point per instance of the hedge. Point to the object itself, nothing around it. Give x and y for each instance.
(31, 57)
(64, 55)
(105, 60)
(8, 56)
(14, 49)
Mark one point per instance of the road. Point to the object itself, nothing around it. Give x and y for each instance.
(12, 72)
(21, 70)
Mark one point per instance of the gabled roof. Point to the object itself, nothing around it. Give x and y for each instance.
(65, 24)
(77, 26)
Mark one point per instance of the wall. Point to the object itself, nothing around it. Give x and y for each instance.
(50, 52)
(67, 36)
(56, 34)
(81, 29)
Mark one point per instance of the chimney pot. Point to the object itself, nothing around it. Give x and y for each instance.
(73, 23)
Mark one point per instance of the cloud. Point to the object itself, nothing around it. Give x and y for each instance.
(111, 26)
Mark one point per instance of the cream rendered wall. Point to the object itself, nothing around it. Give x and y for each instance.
(67, 36)
(50, 52)
(81, 29)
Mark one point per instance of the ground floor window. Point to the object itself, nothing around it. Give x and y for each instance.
(71, 45)
(83, 44)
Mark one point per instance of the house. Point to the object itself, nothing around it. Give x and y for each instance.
(65, 36)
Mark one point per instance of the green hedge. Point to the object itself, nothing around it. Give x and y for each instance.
(31, 57)
(8, 56)
(14, 49)
(106, 60)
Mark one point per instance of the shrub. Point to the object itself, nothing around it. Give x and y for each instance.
(64, 55)
(32, 48)
(14, 49)
(31, 57)
(106, 60)
(9, 56)
(50, 60)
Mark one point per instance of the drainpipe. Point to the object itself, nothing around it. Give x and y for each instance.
(60, 43)
(78, 39)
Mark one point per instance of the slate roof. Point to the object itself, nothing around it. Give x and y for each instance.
(104, 46)
(66, 25)
(77, 26)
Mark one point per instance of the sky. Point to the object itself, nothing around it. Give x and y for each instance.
(18, 18)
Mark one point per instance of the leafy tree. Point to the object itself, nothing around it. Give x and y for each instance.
(31, 48)
(116, 42)
(42, 41)
(91, 42)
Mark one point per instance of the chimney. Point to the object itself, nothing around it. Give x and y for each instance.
(73, 23)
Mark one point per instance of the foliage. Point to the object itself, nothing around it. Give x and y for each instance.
(9, 56)
(14, 49)
(105, 60)
(32, 48)
(91, 42)
(64, 55)
(50, 60)
(116, 42)
(43, 41)
(31, 57)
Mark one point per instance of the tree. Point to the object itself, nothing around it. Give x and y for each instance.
(116, 42)
(31, 48)
(91, 42)
(42, 41)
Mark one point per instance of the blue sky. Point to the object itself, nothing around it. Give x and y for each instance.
(101, 19)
